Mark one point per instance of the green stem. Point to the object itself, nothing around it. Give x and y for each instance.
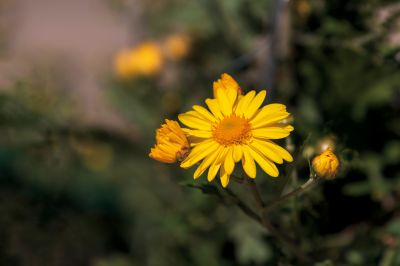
(388, 257)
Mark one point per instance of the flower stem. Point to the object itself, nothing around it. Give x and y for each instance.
(307, 185)
(268, 225)
(243, 206)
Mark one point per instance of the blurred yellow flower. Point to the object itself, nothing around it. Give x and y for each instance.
(226, 82)
(122, 64)
(176, 46)
(172, 144)
(143, 60)
(235, 129)
(326, 165)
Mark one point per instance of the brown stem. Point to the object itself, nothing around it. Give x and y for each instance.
(268, 225)
(243, 206)
(237, 179)
(310, 182)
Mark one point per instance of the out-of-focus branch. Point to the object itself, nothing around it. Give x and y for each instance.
(243, 206)
(268, 225)
(376, 29)
(307, 185)
(127, 136)
(278, 40)
(225, 26)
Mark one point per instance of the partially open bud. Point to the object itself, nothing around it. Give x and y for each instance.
(326, 165)
(226, 82)
(172, 145)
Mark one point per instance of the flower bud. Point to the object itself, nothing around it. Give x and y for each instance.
(326, 165)
(226, 82)
(172, 145)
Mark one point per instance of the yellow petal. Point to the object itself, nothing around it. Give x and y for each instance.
(222, 155)
(217, 164)
(248, 163)
(272, 132)
(194, 122)
(206, 163)
(232, 95)
(198, 133)
(274, 107)
(214, 108)
(224, 103)
(269, 114)
(244, 102)
(224, 176)
(237, 153)
(266, 165)
(281, 151)
(204, 112)
(229, 163)
(255, 104)
(199, 152)
(212, 171)
(264, 149)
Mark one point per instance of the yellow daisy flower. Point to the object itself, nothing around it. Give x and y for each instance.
(172, 144)
(236, 129)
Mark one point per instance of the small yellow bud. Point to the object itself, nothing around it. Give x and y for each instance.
(326, 165)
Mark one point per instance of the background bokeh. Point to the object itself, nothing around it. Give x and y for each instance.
(78, 115)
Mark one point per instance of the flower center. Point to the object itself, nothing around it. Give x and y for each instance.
(232, 130)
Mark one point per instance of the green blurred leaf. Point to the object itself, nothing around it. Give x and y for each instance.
(394, 228)
(250, 245)
(356, 189)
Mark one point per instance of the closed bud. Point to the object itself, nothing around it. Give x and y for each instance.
(326, 165)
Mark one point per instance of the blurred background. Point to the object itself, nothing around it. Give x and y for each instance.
(84, 85)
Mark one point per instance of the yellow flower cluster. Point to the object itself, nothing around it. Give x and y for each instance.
(234, 128)
(147, 58)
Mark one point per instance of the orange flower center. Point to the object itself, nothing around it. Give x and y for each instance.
(232, 130)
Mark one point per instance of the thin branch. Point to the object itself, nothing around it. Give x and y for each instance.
(307, 185)
(268, 225)
(243, 206)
